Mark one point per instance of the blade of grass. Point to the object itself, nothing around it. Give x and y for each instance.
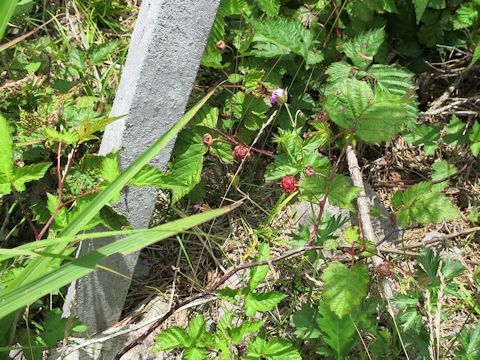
(40, 265)
(6, 11)
(54, 280)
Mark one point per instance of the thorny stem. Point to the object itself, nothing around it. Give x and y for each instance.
(61, 182)
(209, 291)
(232, 140)
(25, 212)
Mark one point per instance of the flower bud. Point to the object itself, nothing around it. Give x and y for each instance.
(278, 97)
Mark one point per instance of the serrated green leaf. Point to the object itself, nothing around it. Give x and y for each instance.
(228, 294)
(61, 218)
(28, 173)
(66, 137)
(100, 52)
(235, 78)
(188, 161)
(421, 205)
(375, 127)
(364, 47)
(271, 7)
(262, 301)
(476, 56)
(442, 169)
(474, 138)
(109, 169)
(212, 55)
(281, 36)
(345, 288)
(426, 135)
(91, 125)
(470, 340)
(452, 268)
(258, 273)
(76, 57)
(420, 6)
(305, 322)
(194, 353)
(237, 333)
(113, 220)
(196, 330)
(338, 333)
(340, 193)
(174, 337)
(455, 132)
(223, 150)
(348, 103)
(465, 16)
(274, 349)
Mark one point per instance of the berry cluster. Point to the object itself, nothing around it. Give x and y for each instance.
(288, 183)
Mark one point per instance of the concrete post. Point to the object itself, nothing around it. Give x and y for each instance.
(165, 52)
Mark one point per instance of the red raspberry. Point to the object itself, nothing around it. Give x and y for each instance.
(240, 152)
(288, 183)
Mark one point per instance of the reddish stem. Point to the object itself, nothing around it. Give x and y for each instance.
(232, 140)
(61, 182)
(24, 211)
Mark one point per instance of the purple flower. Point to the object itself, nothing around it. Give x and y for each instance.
(278, 97)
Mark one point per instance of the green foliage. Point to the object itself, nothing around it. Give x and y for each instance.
(344, 288)
(422, 203)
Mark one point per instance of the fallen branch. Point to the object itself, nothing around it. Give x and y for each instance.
(366, 223)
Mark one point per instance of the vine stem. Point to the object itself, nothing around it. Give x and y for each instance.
(210, 290)
(241, 142)
(61, 182)
(366, 222)
(24, 211)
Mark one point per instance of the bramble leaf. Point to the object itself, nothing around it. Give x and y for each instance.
(426, 135)
(238, 333)
(29, 173)
(364, 47)
(337, 333)
(171, 338)
(420, 6)
(258, 273)
(455, 132)
(187, 166)
(474, 137)
(353, 106)
(280, 36)
(344, 288)
(271, 7)
(421, 204)
(262, 301)
(305, 321)
(470, 339)
(274, 349)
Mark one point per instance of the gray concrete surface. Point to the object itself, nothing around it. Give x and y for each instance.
(165, 52)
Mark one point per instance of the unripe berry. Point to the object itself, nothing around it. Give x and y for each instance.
(309, 170)
(384, 271)
(240, 152)
(288, 183)
(207, 139)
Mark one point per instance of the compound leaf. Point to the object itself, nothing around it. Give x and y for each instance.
(174, 337)
(345, 288)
